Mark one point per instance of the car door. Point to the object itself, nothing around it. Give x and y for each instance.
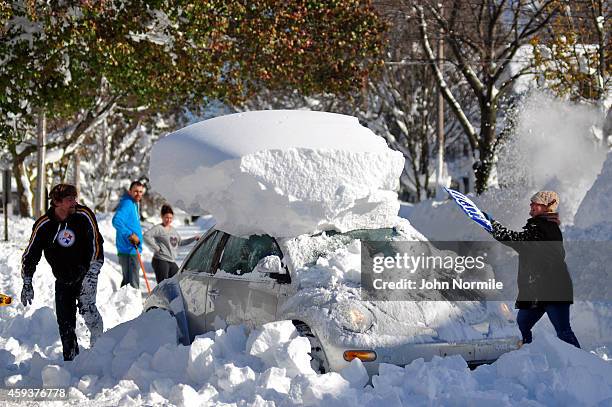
(194, 279)
(237, 294)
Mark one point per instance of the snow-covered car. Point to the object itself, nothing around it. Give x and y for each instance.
(296, 196)
(258, 279)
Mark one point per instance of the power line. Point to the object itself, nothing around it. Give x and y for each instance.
(446, 61)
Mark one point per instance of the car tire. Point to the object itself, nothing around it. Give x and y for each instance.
(318, 360)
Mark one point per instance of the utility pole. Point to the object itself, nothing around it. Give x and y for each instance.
(77, 172)
(7, 194)
(440, 128)
(39, 200)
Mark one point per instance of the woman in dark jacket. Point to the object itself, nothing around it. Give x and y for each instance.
(544, 283)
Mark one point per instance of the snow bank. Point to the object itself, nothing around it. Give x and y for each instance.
(303, 171)
(596, 208)
(551, 372)
(270, 366)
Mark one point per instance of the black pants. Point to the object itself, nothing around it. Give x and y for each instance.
(558, 315)
(66, 297)
(163, 269)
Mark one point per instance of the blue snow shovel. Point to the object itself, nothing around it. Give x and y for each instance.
(470, 209)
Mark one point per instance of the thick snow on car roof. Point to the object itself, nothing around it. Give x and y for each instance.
(236, 135)
(282, 173)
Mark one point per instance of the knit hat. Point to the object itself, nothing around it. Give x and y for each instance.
(548, 198)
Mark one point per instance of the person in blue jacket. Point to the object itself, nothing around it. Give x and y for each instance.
(129, 233)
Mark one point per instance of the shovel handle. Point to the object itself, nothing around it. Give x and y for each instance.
(143, 269)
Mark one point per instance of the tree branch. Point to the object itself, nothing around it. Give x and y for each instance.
(454, 105)
(463, 65)
(504, 86)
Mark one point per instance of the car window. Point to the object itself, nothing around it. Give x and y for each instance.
(202, 259)
(241, 255)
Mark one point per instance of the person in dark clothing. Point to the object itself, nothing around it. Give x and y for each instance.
(69, 236)
(544, 283)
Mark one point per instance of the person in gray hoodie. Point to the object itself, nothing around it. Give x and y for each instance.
(164, 240)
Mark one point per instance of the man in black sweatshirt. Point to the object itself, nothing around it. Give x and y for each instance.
(69, 236)
(544, 283)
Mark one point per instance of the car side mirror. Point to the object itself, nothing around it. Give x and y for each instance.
(270, 265)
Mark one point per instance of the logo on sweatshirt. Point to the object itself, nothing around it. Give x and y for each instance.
(66, 238)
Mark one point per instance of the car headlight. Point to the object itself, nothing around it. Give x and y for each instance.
(505, 311)
(354, 317)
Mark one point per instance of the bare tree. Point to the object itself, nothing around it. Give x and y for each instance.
(399, 105)
(64, 138)
(484, 38)
(408, 94)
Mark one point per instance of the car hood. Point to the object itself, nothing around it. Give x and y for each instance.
(397, 322)
(327, 291)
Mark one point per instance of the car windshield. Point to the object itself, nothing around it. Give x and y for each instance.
(323, 244)
(377, 240)
(241, 255)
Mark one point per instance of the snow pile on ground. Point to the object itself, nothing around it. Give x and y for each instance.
(303, 171)
(138, 363)
(31, 330)
(589, 252)
(550, 372)
(588, 243)
(539, 374)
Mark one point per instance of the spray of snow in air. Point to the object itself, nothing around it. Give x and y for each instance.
(557, 146)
